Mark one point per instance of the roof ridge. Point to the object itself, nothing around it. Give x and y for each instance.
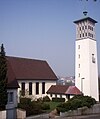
(26, 58)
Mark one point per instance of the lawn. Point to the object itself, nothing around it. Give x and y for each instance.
(53, 105)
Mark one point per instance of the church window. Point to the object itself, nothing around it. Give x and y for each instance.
(37, 87)
(85, 27)
(80, 35)
(30, 88)
(43, 87)
(23, 88)
(92, 28)
(79, 56)
(88, 27)
(78, 46)
(93, 58)
(88, 34)
(83, 34)
(78, 65)
(79, 75)
(92, 35)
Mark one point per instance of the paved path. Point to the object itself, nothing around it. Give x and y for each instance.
(96, 116)
(42, 116)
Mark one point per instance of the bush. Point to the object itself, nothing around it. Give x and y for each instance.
(58, 99)
(45, 106)
(40, 99)
(86, 100)
(76, 102)
(63, 107)
(46, 99)
(25, 100)
(36, 108)
(31, 107)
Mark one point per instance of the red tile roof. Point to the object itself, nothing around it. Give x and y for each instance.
(57, 89)
(11, 80)
(73, 90)
(29, 69)
(63, 89)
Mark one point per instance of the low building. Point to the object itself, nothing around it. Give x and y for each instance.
(34, 77)
(63, 91)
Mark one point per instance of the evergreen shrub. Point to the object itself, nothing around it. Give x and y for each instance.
(45, 106)
(76, 102)
(46, 99)
(58, 99)
(31, 107)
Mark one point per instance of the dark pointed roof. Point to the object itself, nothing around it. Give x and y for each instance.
(63, 89)
(30, 69)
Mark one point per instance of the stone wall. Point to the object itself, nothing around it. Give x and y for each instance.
(21, 114)
(3, 114)
(82, 111)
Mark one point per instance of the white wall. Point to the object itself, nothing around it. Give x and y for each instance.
(48, 84)
(94, 89)
(88, 80)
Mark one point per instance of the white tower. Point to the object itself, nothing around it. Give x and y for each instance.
(86, 66)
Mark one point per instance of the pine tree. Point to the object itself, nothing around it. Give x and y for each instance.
(3, 79)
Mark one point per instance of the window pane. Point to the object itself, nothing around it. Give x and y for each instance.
(79, 56)
(43, 87)
(93, 58)
(23, 88)
(79, 75)
(78, 46)
(30, 88)
(37, 87)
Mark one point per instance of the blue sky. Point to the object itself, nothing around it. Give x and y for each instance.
(44, 29)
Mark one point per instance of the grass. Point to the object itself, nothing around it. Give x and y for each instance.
(53, 105)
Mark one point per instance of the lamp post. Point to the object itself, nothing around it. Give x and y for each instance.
(82, 84)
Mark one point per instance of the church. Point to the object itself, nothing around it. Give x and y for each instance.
(86, 64)
(34, 77)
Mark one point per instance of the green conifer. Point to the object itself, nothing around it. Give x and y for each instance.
(3, 79)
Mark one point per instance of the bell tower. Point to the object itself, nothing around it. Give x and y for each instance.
(86, 65)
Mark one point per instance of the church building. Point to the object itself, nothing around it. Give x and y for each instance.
(34, 77)
(86, 64)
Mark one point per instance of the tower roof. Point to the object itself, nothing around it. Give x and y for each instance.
(84, 19)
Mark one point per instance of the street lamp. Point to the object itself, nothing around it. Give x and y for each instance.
(82, 84)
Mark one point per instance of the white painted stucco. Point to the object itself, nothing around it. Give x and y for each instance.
(48, 84)
(87, 81)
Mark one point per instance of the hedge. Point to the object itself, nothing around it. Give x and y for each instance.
(31, 107)
(76, 102)
(58, 99)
